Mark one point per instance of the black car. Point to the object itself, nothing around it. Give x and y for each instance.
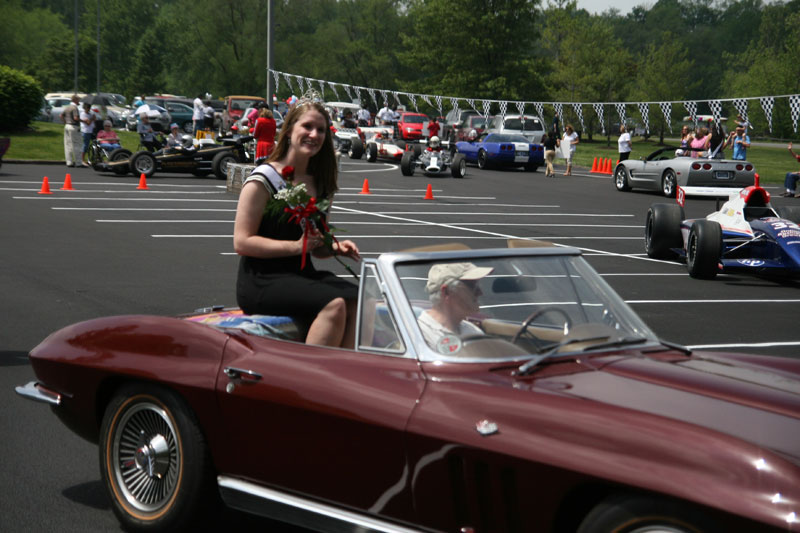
(200, 160)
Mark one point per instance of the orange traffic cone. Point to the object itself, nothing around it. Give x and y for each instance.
(45, 186)
(67, 183)
(429, 193)
(594, 165)
(607, 170)
(365, 187)
(142, 182)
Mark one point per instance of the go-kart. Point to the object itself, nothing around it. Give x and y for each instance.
(434, 160)
(745, 235)
(101, 157)
(200, 159)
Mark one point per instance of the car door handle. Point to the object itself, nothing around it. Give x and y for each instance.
(241, 373)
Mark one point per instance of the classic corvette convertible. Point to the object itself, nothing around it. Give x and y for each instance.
(562, 411)
(746, 235)
(200, 160)
(502, 149)
(664, 171)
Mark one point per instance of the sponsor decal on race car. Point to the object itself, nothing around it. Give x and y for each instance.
(751, 262)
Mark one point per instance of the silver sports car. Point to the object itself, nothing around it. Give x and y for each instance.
(664, 171)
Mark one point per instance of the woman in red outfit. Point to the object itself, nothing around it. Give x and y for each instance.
(264, 133)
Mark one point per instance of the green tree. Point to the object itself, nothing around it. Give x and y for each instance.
(27, 34)
(20, 99)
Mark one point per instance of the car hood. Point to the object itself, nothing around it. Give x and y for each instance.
(755, 403)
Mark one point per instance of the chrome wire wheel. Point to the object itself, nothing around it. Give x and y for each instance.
(146, 457)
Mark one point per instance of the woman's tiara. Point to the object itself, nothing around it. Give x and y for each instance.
(311, 96)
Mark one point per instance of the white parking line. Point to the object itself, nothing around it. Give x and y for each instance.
(743, 345)
(94, 199)
(183, 209)
(721, 301)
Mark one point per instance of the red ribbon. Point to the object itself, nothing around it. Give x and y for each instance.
(299, 215)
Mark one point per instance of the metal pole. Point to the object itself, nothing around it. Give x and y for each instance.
(270, 30)
(98, 46)
(75, 83)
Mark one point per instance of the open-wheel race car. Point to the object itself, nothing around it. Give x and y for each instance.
(434, 160)
(200, 159)
(353, 141)
(745, 235)
(665, 171)
(555, 409)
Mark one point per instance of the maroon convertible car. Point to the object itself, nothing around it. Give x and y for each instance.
(562, 412)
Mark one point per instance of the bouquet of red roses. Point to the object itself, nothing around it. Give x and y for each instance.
(293, 203)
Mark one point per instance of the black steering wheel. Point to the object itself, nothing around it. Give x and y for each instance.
(536, 314)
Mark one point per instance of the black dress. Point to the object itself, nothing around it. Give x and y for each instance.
(278, 286)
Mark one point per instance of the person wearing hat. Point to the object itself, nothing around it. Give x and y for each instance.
(70, 116)
(107, 137)
(453, 291)
(174, 138)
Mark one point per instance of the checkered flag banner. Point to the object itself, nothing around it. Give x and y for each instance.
(438, 100)
(716, 110)
(300, 83)
(691, 107)
(598, 110)
(372, 95)
(621, 112)
(385, 98)
(539, 109)
(347, 92)
(277, 78)
(521, 108)
(666, 108)
(767, 103)
(579, 111)
(426, 99)
(333, 86)
(741, 107)
(503, 109)
(487, 106)
(413, 99)
(794, 108)
(396, 96)
(471, 103)
(288, 81)
(454, 103)
(644, 110)
(321, 88)
(559, 112)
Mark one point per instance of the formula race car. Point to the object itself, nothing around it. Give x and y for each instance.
(352, 141)
(382, 147)
(201, 159)
(664, 171)
(746, 235)
(434, 160)
(502, 149)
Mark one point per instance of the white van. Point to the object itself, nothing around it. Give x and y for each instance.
(529, 126)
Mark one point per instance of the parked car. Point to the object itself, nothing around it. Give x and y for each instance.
(413, 126)
(502, 150)
(181, 114)
(106, 106)
(475, 123)
(568, 413)
(159, 122)
(456, 123)
(529, 126)
(746, 235)
(57, 102)
(234, 108)
(665, 171)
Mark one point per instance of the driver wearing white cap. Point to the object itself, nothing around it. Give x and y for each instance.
(453, 291)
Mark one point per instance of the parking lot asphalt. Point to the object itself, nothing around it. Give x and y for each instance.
(107, 247)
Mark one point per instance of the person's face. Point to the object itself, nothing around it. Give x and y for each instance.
(309, 132)
(463, 297)
(107, 126)
(174, 131)
(684, 130)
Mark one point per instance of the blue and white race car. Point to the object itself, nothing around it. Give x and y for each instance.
(502, 149)
(747, 235)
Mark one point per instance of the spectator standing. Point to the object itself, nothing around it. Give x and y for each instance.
(741, 142)
(107, 137)
(700, 141)
(264, 133)
(791, 177)
(550, 141)
(624, 144)
(87, 130)
(433, 128)
(197, 114)
(717, 142)
(208, 117)
(385, 115)
(686, 138)
(70, 116)
(572, 139)
(363, 116)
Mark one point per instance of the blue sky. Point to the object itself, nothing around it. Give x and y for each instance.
(624, 6)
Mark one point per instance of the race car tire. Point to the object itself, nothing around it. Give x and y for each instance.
(188, 127)
(143, 162)
(622, 179)
(120, 154)
(483, 159)
(789, 212)
(703, 249)
(356, 148)
(662, 230)
(372, 152)
(417, 150)
(669, 183)
(219, 165)
(154, 461)
(632, 512)
(458, 168)
(407, 163)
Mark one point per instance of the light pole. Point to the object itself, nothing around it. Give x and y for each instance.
(98, 46)
(75, 83)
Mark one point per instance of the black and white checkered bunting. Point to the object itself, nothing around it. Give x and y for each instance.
(347, 91)
(598, 110)
(794, 109)
(438, 100)
(385, 96)
(503, 109)
(454, 103)
(691, 108)
(373, 95)
(539, 110)
(767, 104)
(620, 111)
(666, 109)
(716, 110)
(578, 108)
(276, 76)
(288, 81)
(741, 108)
(559, 112)
(644, 110)
(487, 107)
(471, 103)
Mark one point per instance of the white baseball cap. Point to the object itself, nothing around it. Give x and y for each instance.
(445, 273)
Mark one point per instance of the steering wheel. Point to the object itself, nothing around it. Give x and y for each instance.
(536, 314)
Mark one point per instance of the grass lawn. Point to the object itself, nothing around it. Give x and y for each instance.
(44, 141)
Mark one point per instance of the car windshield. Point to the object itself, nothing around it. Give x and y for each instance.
(415, 119)
(243, 104)
(506, 138)
(531, 124)
(477, 122)
(527, 304)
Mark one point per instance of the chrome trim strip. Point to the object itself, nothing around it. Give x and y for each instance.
(33, 391)
(333, 518)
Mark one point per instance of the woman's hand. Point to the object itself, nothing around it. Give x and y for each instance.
(313, 241)
(348, 249)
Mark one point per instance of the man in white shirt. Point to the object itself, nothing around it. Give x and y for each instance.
(624, 144)
(363, 116)
(197, 114)
(386, 115)
(453, 291)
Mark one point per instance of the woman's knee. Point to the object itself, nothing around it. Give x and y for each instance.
(336, 309)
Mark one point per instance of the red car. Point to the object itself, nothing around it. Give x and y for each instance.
(556, 409)
(413, 126)
(235, 105)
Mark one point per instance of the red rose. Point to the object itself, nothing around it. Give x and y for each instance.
(287, 172)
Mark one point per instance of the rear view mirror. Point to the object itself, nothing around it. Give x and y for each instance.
(513, 284)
